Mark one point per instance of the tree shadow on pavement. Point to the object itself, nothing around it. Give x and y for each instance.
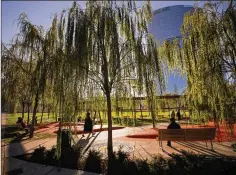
(200, 149)
(14, 148)
(85, 143)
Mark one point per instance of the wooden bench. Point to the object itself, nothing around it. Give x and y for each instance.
(196, 134)
(20, 127)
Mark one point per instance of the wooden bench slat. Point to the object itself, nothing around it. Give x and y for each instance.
(190, 134)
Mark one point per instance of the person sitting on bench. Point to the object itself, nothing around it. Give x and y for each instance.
(172, 125)
(20, 123)
(79, 120)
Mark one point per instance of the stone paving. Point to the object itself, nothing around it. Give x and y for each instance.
(28, 168)
(11, 165)
(137, 147)
(3, 123)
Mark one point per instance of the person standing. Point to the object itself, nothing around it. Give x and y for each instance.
(178, 115)
(172, 114)
(88, 124)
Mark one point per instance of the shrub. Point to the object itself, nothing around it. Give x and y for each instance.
(131, 167)
(121, 164)
(143, 167)
(93, 162)
(118, 162)
(122, 156)
(116, 120)
(38, 155)
(65, 139)
(50, 157)
(159, 165)
(70, 157)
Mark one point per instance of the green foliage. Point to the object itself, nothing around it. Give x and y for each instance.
(207, 59)
(93, 162)
(12, 118)
(65, 139)
(51, 157)
(122, 163)
(70, 157)
(38, 155)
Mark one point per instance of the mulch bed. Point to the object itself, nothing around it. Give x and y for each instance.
(222, 135)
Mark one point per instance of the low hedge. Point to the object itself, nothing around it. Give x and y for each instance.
(185, 164)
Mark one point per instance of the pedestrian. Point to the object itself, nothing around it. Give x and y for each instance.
(79, 119)
(178, 115)
(88, 124)
(172, 114)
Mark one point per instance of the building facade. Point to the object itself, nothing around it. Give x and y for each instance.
(165, 25)
(167, 21)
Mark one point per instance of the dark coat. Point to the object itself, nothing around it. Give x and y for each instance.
(174, 125)
(178, 115)
(88, 126)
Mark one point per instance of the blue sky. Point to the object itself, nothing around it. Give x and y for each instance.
(41, 13)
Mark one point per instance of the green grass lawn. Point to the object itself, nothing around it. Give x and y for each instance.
(12, 118)
(161, 115)
(11, 136)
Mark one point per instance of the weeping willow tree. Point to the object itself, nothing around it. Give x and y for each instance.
(100, 46)
(152, 74)
(30, 60)
(10, 78)
(206, 56)
(15, 82)
(106, 42)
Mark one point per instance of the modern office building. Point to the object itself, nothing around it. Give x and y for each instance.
(166, 24)
(167, 21)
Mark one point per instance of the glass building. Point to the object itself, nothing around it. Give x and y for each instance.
(167, 21)
(166, 24)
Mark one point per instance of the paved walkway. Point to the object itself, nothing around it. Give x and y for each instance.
(137, 147)
(147, 148)
(3, 123)
(16, 166)
(3, 119)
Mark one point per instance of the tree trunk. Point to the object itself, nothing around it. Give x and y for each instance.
(109, 143)
(23, 109)
(134, 110)
(100, 119)
(150, 105)
(28, 106)
(117, 105)
(94, 117)
(141, 111)
(153, 118)
(42, 114)
(56, 114)
(48, 112)
(34, 115)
